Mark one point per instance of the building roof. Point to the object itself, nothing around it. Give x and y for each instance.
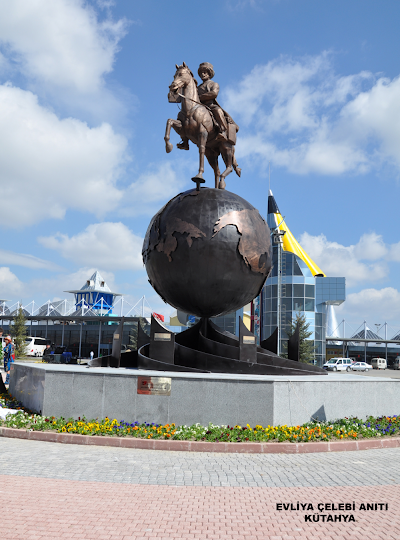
(367, 333)
(48, 309)
(276, 221)
(95, 283)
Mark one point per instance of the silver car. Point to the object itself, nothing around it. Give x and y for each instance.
(360, 366)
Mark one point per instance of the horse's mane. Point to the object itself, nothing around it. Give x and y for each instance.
(187, 69)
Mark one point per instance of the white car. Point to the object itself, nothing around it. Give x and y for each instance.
(361, 366)
(338, 364)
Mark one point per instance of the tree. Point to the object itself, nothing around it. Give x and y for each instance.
(306, 346)
(19, 332)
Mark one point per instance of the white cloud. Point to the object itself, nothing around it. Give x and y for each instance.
(10, 285)
(76, 280)
(40, 290)
(149, 192)
(236, 5)
(50, 165)
(105, 4)
(54, 287)
(110, 246)
(394, 252)
(26, 260)
(370, 247)
(309, 119)
(374, 306)
(61, 43)
(336, 260)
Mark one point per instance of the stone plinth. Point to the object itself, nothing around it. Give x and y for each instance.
(76, 391)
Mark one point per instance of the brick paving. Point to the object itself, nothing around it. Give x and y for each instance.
(39, 508)
(134, 466)
(53, 491)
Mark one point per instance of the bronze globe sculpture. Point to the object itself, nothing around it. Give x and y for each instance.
(207, 252)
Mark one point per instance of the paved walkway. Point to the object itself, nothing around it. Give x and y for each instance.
(52, 491)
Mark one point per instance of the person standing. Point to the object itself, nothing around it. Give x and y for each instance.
(8, 357)
(47, 352)
(1, 347)
(91, 355)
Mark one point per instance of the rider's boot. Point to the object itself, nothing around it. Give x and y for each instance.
(184, 145)
(222, 136)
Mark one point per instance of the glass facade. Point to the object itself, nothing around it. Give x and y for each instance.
(228, 322)
(302, 293)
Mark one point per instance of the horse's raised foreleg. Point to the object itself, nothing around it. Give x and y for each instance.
(227, 155)
(177, 125)
(201, 143)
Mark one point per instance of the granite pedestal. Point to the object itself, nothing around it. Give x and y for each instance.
(76, 391)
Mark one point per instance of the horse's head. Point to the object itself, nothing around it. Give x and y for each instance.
(182, 78)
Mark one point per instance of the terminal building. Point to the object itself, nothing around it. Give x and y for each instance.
(296, 285)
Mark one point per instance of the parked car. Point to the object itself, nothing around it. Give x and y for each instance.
(396, 363)
(35, 346)
(338, 364)
(379, 363)
(361, 366)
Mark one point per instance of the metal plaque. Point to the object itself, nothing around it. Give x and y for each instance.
(249, 340)
(154, 386)
(116, 336)
(158, 336)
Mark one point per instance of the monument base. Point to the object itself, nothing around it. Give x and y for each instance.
(188, 398)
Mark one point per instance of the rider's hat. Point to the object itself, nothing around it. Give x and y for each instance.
(207, 65)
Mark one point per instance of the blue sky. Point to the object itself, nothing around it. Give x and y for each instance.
(313, 85)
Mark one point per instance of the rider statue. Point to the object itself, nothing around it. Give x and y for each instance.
(208, 91)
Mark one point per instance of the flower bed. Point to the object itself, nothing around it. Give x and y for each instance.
(347, 428)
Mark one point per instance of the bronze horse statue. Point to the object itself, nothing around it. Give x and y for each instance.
(195, 122)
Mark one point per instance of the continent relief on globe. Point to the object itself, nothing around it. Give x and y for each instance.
(169, 244)
(252, 240)
(249, 224)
